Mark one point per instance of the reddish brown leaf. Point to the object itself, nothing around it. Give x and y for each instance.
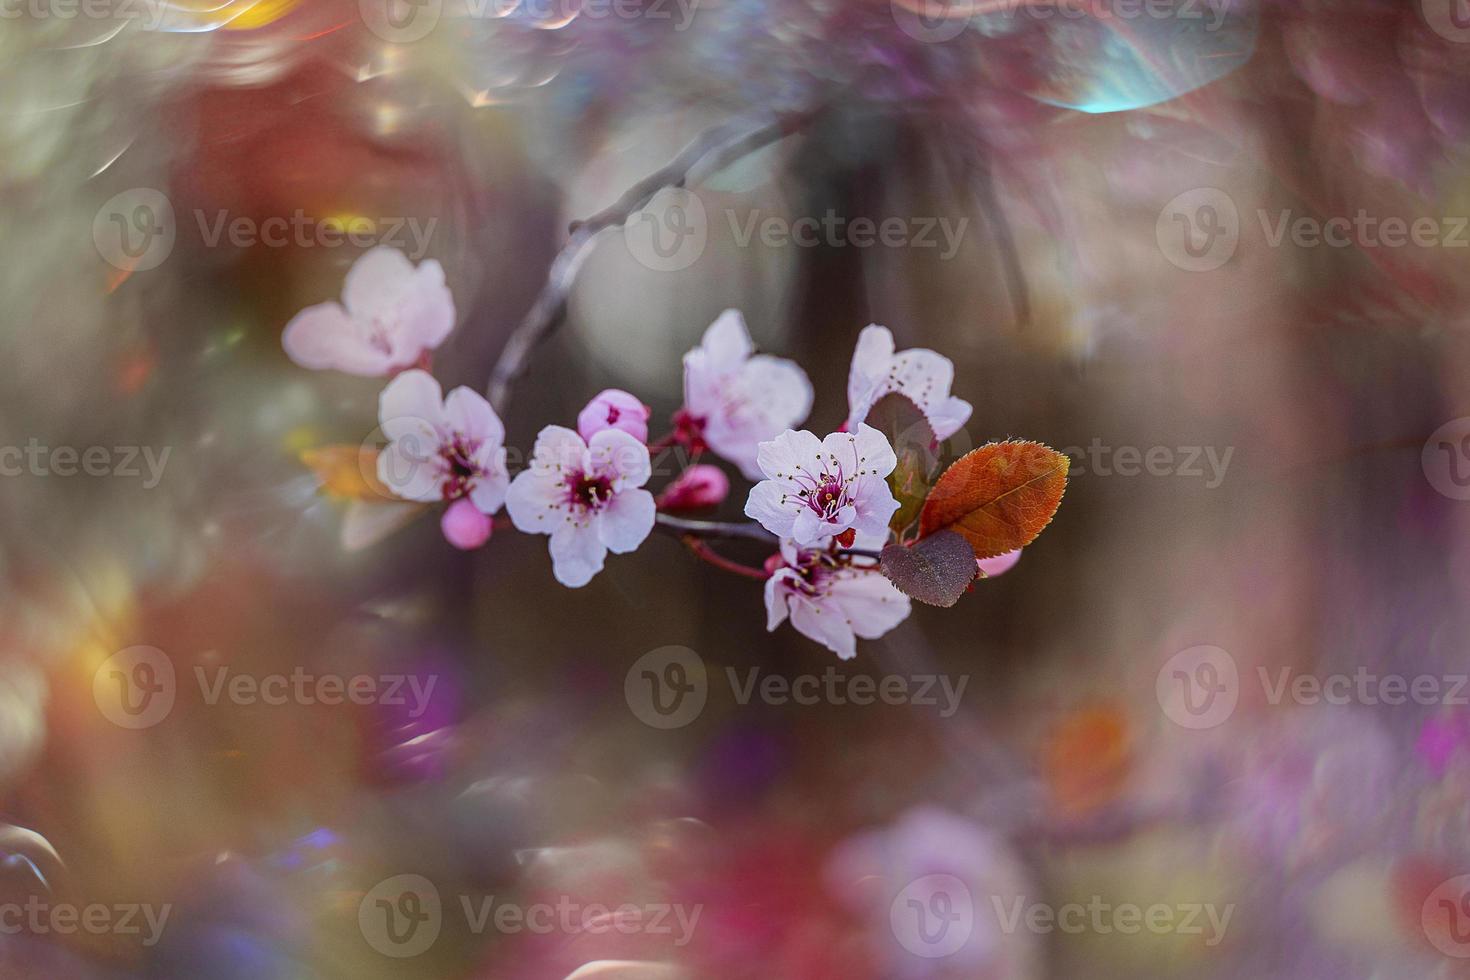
(999, 496)
(937, 570)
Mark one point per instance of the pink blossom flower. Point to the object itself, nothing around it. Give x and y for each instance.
(817, 489)
(587, 495)
(465, 526)
(999, 565)
(830, 602)
(734, 399)
(391, 314)
(699, 486)
(441, 448)
(614, 409)
(921, 375)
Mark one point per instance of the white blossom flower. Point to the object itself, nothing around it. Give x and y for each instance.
(735, 399)
(587, 495)
(441, 448)
(818, 489)
(923, 376)
(832, 602)
(390, 315)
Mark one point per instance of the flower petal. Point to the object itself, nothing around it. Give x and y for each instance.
(825, 625)
(870, 603)
(776, 601)
(405, 470)
(923, 376)
(870, 362)
(412, 402)
(789, 453)
(536, 502)
(323, 337)
(727, 341)
(558, 449)
(492, 485)
(626, 520)
(375, 281)
(577, 554)
(949, 417)
(616, 454)
(468, 413)
(765, 506)
(425, 309)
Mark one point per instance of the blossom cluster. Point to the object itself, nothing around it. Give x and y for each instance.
(827, 501)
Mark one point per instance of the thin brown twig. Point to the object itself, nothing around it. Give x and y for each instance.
(709, 152)
(701, 549)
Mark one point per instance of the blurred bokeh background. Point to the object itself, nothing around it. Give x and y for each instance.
(1213, 724)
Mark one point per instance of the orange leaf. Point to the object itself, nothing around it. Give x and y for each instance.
(347, 471)
(999, 496)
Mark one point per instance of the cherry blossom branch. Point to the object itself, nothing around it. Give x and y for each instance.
(701, 549)
(714, 529)
(710, 152)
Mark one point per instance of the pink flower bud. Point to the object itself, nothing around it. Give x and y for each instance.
(1000, 564)
(698, 486)
(464, 525)
(614, 409)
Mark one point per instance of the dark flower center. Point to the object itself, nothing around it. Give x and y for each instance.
(461, 471)
(589, 490)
